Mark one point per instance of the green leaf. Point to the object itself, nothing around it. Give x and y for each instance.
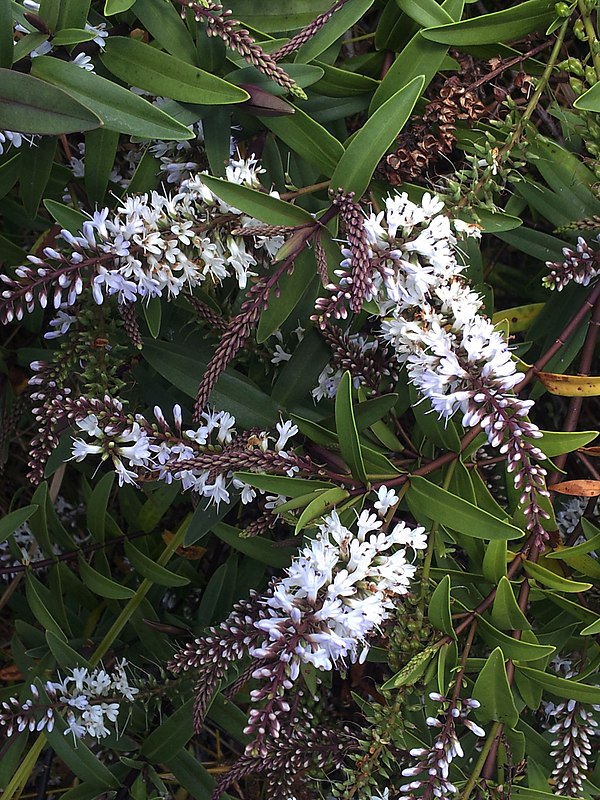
(439, 612)
(153, 316)
(341, 22)
(99, 584)
(258, 204)
(116, 6)
(323, 502)
(426, 12)
(568, 688)
(342, 83)
(37, 599)
(72, 14)
(68, 36)
(275, 17)
(441, 506)
(515, 649)
(592, 629)
(291, 290)
(195, 779)
(555, 443)
(36, 166)
(500, 26)
(552, 580)
(162, 74)
(347, 432)
(97, 506)
(506, 613)
(492, 689)
(494, 561)
(49, 11)
(164, 23)
(368, 412)
(203, 519)
(280, 484)
(568, 553)
(419, 57)
(234, 393)
(258, 548)
(67, 217)
(590, 100)
(10, 522)
(30, 105)
(119, 109)
(6, 35)
(357, 165)
(151, 570)
(65, 656)
(306, 137)
(100, 151)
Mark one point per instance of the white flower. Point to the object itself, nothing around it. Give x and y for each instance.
(386, 499)
(216, 491)
(84, 61)
(286, 431)
(280, 355)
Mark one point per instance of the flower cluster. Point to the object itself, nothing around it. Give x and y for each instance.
(89, 700)
(337, 593)
(203, 458)
(573, 728)
(152, 245)
(452, 353)
(432, 771)
(581, 266)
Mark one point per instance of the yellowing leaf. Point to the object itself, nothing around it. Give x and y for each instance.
(570, 385)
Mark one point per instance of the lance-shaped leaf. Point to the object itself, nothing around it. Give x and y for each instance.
(6, 35)
(341, 22)
(257, 547)
(148, 568)
(101, 585)
(165, 24)
(280, 484)
(548, 578)
(493, 691)
(323, 502)
(419, 57)
(568, 688)
(345, 424)
(500, 26)
(356, 167)
(555, 443)
(457, 514)
(570, 385)
(439, 607)
(590, 100)
(494, 561)
(15, 519)
(162, 74)
(577, 488)
(515, 649)
(519, 317)
(506, 613)
(30, 105)
(308, 138)
(258, 204)
(119, 109)
(426, 12)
